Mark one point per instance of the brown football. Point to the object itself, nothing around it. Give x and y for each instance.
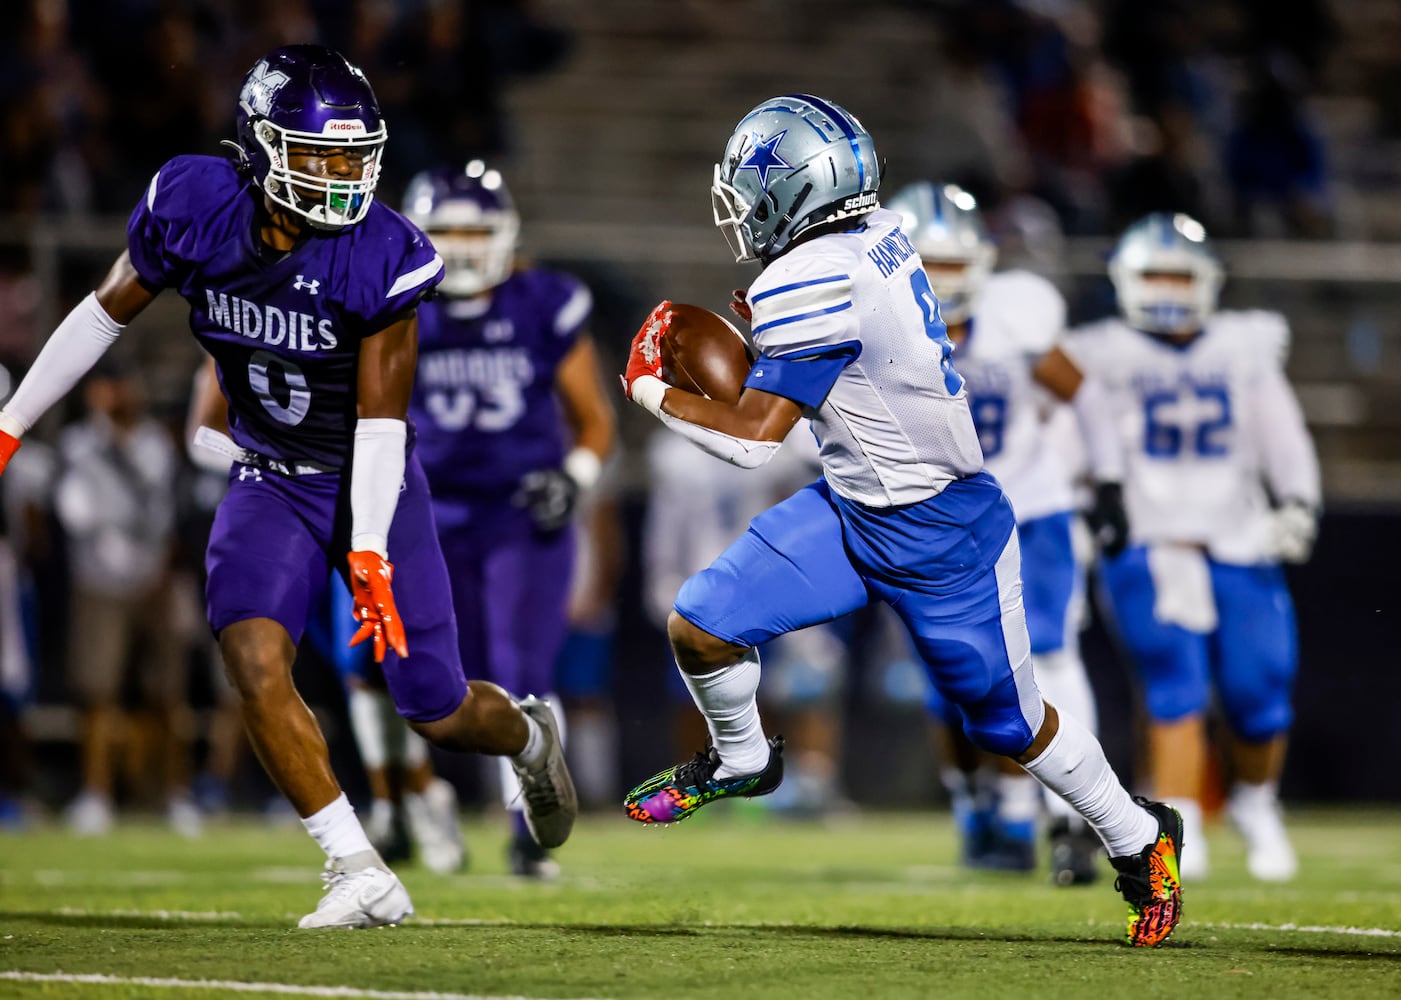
(704, 353)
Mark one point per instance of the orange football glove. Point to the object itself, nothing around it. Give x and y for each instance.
(370, 578)
(9, 444)
(645, 358)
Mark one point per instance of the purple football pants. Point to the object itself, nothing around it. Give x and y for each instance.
(276, 538)
(510, 589)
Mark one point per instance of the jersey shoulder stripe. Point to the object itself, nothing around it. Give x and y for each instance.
(418, 276)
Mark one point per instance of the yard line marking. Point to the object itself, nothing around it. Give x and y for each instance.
(73, 911)
(1302, 929)
(237, 986)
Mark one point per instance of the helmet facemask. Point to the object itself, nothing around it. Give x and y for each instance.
(1149, 256)
(325, 202)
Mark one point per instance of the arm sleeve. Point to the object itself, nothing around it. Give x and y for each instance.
(78, 343)
(1094, 413)
(1291, 464)
(377, 473)
(736, 451)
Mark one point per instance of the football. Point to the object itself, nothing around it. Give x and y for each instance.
(704, 353)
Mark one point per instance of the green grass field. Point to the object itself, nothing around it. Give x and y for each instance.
(732, 904)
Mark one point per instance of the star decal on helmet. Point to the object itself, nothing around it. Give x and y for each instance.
(263, 84)
(763, 157)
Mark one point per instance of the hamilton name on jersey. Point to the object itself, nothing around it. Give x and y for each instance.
(270, 324)
(890, 252)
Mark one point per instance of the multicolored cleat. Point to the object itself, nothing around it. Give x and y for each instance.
(1149, 881)
(679, 791)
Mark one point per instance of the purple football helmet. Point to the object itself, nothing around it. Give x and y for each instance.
(469, 215)
(309, 96)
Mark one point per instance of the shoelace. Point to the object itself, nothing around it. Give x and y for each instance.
(340, 884)
(699, 769)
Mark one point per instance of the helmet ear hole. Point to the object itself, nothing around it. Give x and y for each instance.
(761, 210)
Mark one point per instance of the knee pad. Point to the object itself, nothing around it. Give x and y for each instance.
(996, 723)
(1169, 694)
(1259, 709)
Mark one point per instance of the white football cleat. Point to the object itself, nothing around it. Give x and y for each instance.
(551, 803)
(1269, 856)
(435, 827)
(183, 816)
(90, 815)
(360, 892)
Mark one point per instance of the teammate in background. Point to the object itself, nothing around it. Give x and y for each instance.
(305, 292)
(1221, 486)
(410, 808)
(849, 335)
(1005, 328)
(513, 427)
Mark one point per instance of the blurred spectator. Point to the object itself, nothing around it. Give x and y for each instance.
(1276, 159)
(115, 501)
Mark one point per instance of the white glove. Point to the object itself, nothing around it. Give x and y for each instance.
(1293, 529)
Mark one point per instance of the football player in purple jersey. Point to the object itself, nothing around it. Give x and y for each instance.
(305, 292)
(513, 426)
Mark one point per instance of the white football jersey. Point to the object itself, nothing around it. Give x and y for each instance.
(1016, 318)
(1205, 428)
(895, 428)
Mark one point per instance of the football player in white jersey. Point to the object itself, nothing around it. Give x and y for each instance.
(1005, 328)
(1221, 486)
(849, 335)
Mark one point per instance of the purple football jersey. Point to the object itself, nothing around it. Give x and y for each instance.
(484, 402)
(284, 329)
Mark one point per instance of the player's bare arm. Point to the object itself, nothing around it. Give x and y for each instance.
(580, 389)
(387, 362)
(1058, 374)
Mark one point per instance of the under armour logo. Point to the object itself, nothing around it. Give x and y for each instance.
(311, 286)
(250, 472)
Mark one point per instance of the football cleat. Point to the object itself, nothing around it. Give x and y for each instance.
(1007, 847)
(529, 860)
(1269, 856)
(1075, 852)
(1149, 881)
(435, 827)
(551, 804)
(360, 892)
(677, 792)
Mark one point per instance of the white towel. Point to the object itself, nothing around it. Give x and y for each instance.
(1182, 587)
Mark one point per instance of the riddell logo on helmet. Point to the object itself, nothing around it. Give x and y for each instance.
(866, 200)
(338, 126)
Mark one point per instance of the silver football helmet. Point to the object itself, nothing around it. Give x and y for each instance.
(1166, 244)
(945, 226)
(469, 215)
(792, 163)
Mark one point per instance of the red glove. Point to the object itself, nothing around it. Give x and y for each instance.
(370, 576)
(9, 444)
(739, 305)
(645, 358)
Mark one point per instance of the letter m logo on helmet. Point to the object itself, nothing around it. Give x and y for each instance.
(792, 163)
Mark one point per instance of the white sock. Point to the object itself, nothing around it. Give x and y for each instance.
(727, 699)
(593, 756)
(1252, 798)
(1018, 798)
(367, 723)
(534, 751)
(532, 755)
(415, 750)
(336, 829)
(1074, 767)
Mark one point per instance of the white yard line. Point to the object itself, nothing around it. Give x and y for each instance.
(286, 989)
(1383, 932)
